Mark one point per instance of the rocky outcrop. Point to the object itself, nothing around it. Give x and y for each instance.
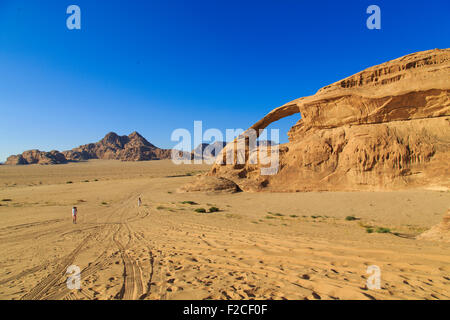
(387, 127)
(36, 156)
(133, 147)
(440, 232)
(209, 184)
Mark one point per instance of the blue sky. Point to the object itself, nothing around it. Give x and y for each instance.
(154, 66)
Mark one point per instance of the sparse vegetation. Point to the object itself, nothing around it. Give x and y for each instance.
(214, 209)
(200, 210)
(293, 216)
(276, 214)
(270, 217)
(85, 181)
(7, 200)
(382, 230)
(69, 182)
(160, 208)
(189, 202)
(104, 203)
(350, 218)
(369, 230)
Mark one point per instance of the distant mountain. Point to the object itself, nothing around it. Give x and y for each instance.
(208, 150)
(133, 147)
(36, 156)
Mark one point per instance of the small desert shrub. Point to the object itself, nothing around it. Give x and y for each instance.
(350, 218)
(293, 216)
(95, 179)
(69, 182)
(276, 214)
(270, 217)
(104, 203)
(369, 230)
(160, 208)
(85, 181)
(214, 209)
(382, 230)
(169, 192)
(189, 202)
(7, 200)
(200, 210)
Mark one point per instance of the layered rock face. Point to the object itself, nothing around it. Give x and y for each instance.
(133, 147)
(387, 127)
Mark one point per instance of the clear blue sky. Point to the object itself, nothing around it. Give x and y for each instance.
(154, 66)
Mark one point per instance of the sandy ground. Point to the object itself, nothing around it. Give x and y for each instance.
(258, 246)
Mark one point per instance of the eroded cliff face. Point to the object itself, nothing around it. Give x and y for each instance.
(387, 127)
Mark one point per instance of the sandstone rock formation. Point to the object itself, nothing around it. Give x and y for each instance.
(210, 185)
(440, 232)
(387, 127)
(133, 147)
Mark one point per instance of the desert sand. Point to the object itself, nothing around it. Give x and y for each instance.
(257, 246)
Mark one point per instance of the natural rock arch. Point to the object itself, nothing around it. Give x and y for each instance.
(386, 127)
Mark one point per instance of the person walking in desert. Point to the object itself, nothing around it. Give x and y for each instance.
(139, 202)
(74, 214)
